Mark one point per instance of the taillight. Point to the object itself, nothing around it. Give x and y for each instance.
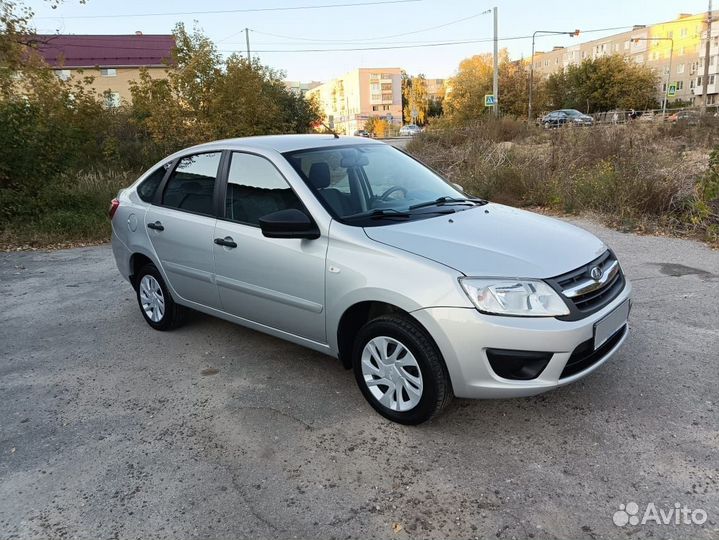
(114, 205)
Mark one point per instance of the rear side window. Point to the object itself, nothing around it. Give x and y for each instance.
(146, 190)
(192, 183)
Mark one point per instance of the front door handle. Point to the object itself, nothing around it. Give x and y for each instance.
(157, 226)
(227, 241)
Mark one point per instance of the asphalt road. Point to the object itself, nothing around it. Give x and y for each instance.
(112, 430)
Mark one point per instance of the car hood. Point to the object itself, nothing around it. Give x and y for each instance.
(495, 240)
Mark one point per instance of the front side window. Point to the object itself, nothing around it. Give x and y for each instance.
(256, 188)
(360, 182)
(192, 183)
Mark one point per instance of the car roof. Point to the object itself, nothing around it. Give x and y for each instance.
(282, 143)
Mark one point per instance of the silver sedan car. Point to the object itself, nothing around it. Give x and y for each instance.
(355, 249)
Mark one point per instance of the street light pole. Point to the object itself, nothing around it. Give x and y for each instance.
(495, 80)
(531, 66)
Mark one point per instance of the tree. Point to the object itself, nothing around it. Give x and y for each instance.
(206, 98)
(465, 97)
(414, 98)
(603, 84)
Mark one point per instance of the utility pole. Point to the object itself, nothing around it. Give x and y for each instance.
(247, 39)
(707, 51)
(495, 81)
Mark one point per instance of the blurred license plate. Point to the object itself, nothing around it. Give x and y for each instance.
(607, 327)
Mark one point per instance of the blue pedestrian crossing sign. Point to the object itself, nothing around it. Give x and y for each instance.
(489, 100)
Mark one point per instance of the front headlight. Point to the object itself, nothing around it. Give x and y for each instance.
(520, 297)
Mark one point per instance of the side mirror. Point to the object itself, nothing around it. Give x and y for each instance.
(457, 186)
(290, 223)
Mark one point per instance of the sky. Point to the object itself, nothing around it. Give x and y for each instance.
(297, 40)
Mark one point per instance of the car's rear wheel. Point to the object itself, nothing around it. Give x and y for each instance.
(400, 371)
(156, 304)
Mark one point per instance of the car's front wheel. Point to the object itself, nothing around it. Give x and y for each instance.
(157, 306)
(400, 371)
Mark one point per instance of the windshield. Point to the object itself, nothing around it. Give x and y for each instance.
(360, 183)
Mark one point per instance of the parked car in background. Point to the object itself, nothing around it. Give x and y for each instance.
(687, 117)
(361, 133)
(410, 130)
(566, 117)
(356, 250)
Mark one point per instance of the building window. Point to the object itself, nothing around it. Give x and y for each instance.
(385, 107)
(699, 81)
(63, 74)
(680, 68)
(386, 87)
(387, 76)
(683, 32)
(691, 83)
(664, 87)
(112, 100)
(626, 45)
(670, 34)
(374, 75)
(682, 50)
(712, 60)
(375, 108)
(108, 72)
(711, 79)
(376, 97)
(386, 97)
(680, 85)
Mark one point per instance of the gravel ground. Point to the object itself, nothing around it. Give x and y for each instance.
(112, 430)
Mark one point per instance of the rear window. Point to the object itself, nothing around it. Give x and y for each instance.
(147, 188)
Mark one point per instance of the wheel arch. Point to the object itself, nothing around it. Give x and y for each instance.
(360, 313)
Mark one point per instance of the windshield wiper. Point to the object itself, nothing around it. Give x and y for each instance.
(385, 213)
(448, 200)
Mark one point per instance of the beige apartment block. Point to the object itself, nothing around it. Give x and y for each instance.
(678, 42)
(348, 101)
(713, 78)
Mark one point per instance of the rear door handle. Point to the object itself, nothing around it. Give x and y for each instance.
(157, 226)
(227, 241)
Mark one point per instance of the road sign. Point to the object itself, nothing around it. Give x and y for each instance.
(389, 117)
(672, 90)
(489, 100)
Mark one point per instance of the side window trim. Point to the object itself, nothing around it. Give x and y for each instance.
(170, 166)
(225, 176)
(159, 194)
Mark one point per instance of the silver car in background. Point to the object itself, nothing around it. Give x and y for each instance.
(355, 249)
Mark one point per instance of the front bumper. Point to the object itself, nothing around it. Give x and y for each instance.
(463, 336)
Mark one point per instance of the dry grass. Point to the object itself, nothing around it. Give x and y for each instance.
(636, 176)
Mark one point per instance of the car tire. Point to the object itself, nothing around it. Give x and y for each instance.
(156, 304)
(417, 365)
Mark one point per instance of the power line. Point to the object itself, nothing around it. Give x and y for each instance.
(411, 45)
(315, 40)
(430, 44)
(245, 10)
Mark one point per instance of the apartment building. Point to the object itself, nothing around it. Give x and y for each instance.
(671, 48)
(113, 60)
(435, 89)
(301, 88)
(713, 86)
(348, 101)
